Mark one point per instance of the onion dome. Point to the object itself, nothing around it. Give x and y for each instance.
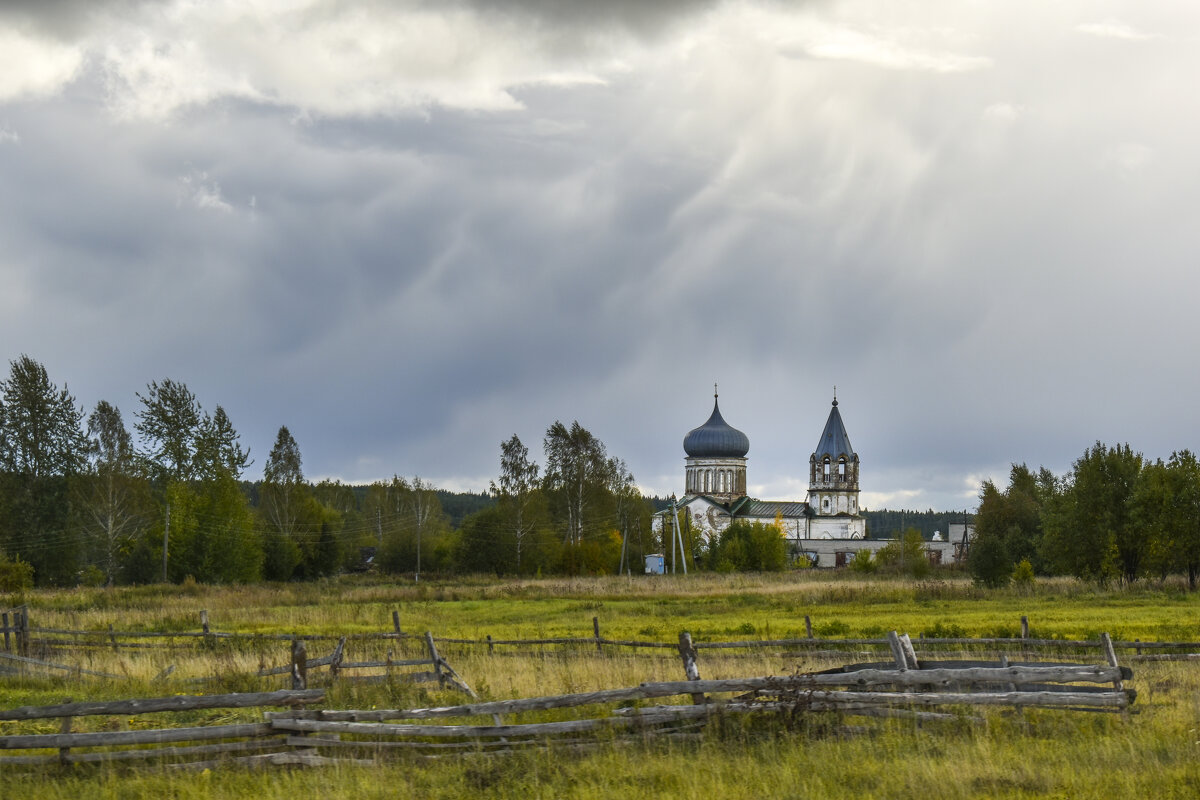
(716, 439)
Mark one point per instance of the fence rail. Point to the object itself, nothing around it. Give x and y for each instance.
(905, 688)
(22, 641)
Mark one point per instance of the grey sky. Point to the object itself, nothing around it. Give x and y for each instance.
(410, 230)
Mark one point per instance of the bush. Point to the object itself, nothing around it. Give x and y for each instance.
(1022, 574)
(988, 561)
(905, 555)
(16, 576)
(863, 562)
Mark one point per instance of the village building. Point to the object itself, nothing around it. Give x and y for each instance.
(827, 527)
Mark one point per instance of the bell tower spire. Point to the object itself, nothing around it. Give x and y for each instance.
(833, 469)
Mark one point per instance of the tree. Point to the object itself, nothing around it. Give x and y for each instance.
(414, 522)
(40, 426)
(218, 448)
(905, 554)
(1089, 527)
(282, 500)
(42, 447)
(113, 496)
(578, 474)
(989, 561)
(522, 507)
(1166, 512)
(170, 422)
(1014, 515)
(750, 546)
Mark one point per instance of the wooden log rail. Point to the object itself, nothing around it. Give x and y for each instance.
(22, 635)
(254, 736)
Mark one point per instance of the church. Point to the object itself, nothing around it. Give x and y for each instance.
(827, 528)
(715, 484)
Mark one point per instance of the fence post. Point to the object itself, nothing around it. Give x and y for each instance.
(596, 633)
(1024, 627)
(436, 659)
(396, 621)
(64, 753)
(336, 663)
(808, 626)
(491, 647)
(902, 651)
(204, 621)
(299, 664)
(4, 624)
(22, 620)
(112, 637)
(687, 652)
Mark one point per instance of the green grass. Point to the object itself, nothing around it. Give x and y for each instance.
(1153, 752)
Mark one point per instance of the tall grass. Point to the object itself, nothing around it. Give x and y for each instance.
(1153, 752)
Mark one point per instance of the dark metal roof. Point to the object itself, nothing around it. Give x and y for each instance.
(789, 509)
(834, 441)
(716, 439)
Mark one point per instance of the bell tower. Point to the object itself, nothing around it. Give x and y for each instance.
(833, 470)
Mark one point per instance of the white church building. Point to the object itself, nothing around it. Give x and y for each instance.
(827, 527)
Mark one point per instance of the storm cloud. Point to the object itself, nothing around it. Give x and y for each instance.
(409, 230)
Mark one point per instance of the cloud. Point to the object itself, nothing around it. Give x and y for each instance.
(408, 231)
(1003, 112)
(1114, 29)
(199, 190)
(845, 44)
(34, 67)
(1127, 158)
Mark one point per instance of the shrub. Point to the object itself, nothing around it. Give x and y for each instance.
(1022, 574)
(16, 576)
(988, 561)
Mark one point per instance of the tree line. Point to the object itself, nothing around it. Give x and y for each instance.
(89, 498)
(1116, 516)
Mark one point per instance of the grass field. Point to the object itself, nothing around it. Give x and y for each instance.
(1152, 752)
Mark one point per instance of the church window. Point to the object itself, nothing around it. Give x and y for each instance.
(842, 469)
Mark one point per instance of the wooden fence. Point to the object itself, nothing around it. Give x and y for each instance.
(22, 640)
(904, 687)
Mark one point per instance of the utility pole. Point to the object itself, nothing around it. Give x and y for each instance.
(678, 536)
(166, 534)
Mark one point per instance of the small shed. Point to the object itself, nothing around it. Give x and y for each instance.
(656, 564)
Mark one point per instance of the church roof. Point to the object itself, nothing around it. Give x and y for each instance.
(834, 441)
(788, 509)
(716, 439)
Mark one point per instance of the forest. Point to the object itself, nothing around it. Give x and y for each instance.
(97, 498)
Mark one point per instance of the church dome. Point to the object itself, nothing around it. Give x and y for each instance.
(716, 439)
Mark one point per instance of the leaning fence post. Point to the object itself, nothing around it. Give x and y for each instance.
(902, 651)
(596, 633)
(435, 658)
(808, 626)
(299, 664)
(112, 637)
(687, 652)
(1110, 653)
(396, 622)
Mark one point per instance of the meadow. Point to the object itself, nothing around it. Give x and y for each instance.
(1153, 751)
